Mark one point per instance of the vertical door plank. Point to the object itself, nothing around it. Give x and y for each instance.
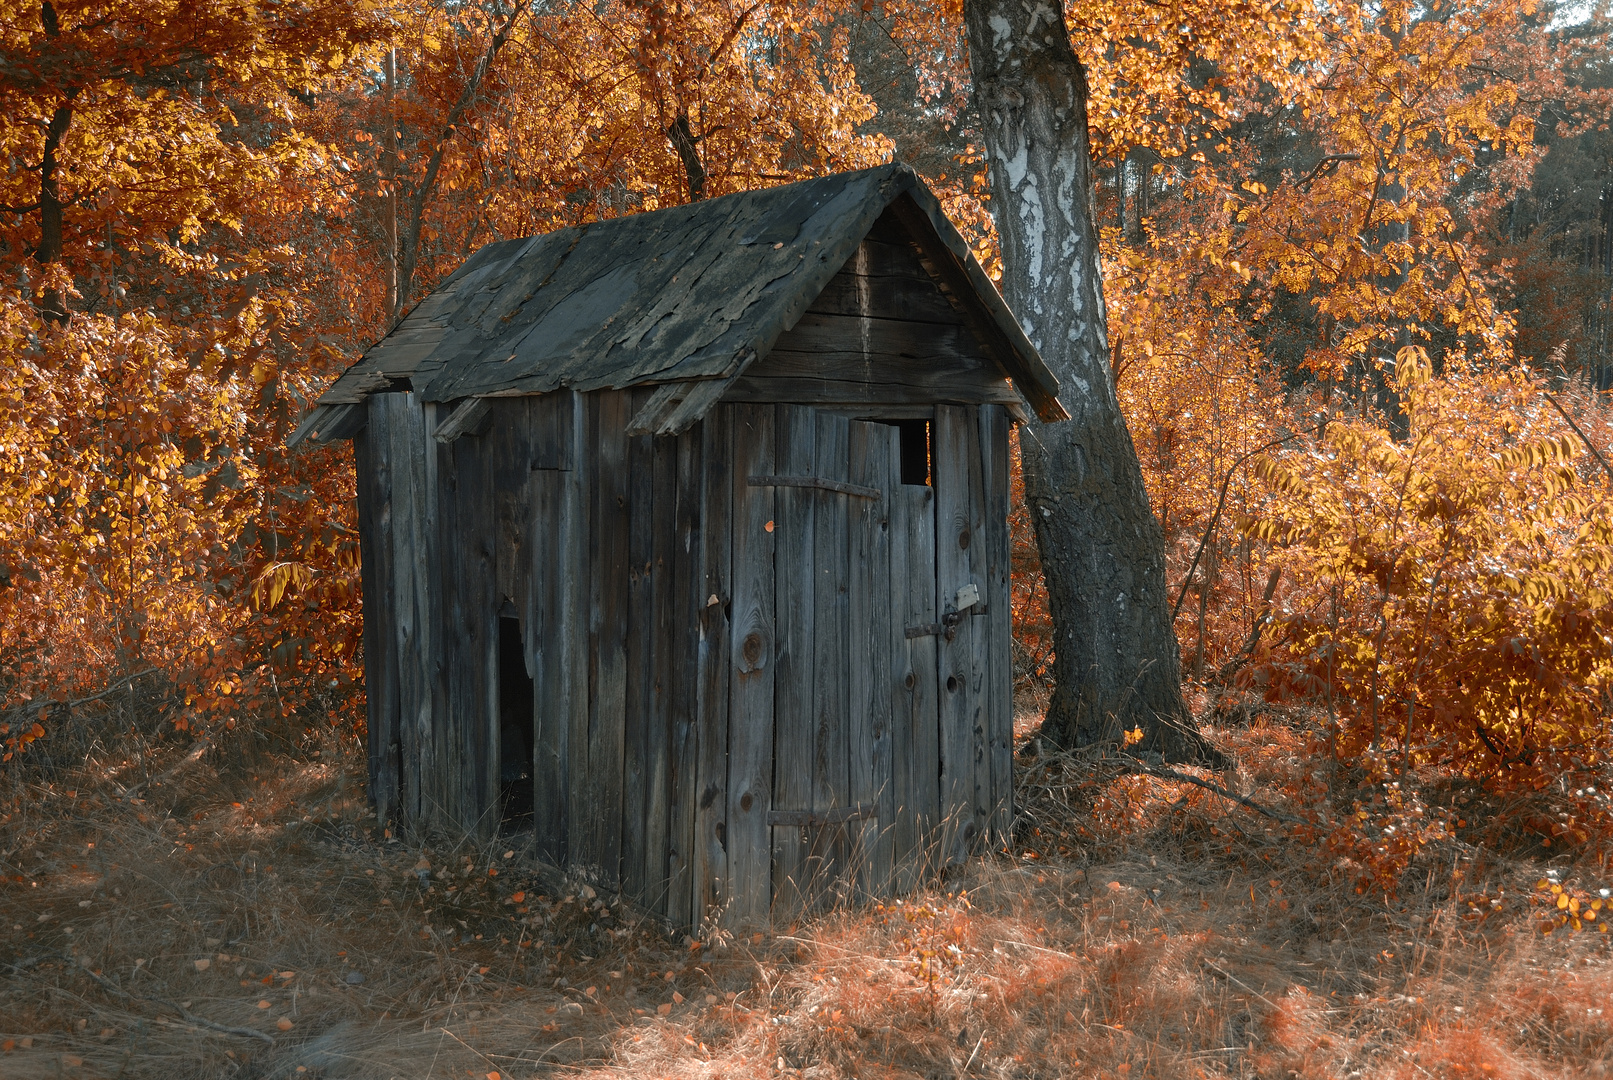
(999, 631)
(663, 466)
(961, 670)
(795, 714)
(916, 717)
(978, 662)
(868, 717)
(714, 597)
(608, 581)
(637, 736)
(684, 605)
(831, 702)
(372, 470)
(751, 693)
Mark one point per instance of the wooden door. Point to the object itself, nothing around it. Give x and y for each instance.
(866, 726)
(831, 701)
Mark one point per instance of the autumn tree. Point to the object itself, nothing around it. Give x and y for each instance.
(142, 326)
(1117, 662)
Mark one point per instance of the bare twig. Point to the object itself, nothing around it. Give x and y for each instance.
(1217, 789)
(1230, 668)
(1221, 501)
(200, 1021)
(1238, 982)
(1597, 454)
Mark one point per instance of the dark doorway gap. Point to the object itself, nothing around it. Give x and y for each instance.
(913, 440)
(515, 711)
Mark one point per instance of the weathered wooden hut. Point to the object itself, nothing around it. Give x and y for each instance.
(685, 537)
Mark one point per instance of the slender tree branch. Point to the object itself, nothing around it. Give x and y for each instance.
(410, 255)
(1220, 504)
(1597, 454)
(1217, 789)
(1331, 159)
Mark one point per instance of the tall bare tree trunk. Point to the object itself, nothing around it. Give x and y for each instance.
(1117, 664)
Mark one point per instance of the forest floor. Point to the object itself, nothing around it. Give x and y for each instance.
(235, 918)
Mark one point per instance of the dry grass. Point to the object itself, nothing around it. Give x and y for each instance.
(249, 920)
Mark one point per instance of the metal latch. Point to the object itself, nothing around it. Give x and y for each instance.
(966, 598)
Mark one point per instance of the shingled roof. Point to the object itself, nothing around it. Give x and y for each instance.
(691, 295)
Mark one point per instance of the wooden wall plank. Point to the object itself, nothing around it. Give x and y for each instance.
(872, 387)
(795, 713)
(447, 786)
(683, 636)
(573, 668)
(638, 735)
(751, 719)
(994, 435)
(916, 750)
(547, 636)
(608, 583)
(868, 641)
(372, 468)
(893, 275)
(422, 688)
(714, 596)
(431, 627)
(414, 702)
(468, 535)
(663, 643)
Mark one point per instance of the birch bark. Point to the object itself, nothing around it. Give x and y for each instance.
(1117, 663)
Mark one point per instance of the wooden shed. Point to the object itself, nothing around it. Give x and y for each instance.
(685, 545)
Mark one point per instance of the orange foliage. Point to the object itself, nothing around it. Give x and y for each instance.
(213, 197)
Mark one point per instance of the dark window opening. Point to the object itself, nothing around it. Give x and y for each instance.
(515, 714)
(914, 437)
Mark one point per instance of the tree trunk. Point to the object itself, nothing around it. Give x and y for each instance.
(52, 303)
(683, 140)
(1117, 665)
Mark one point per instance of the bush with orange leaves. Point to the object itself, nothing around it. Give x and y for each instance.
(1450, 606)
